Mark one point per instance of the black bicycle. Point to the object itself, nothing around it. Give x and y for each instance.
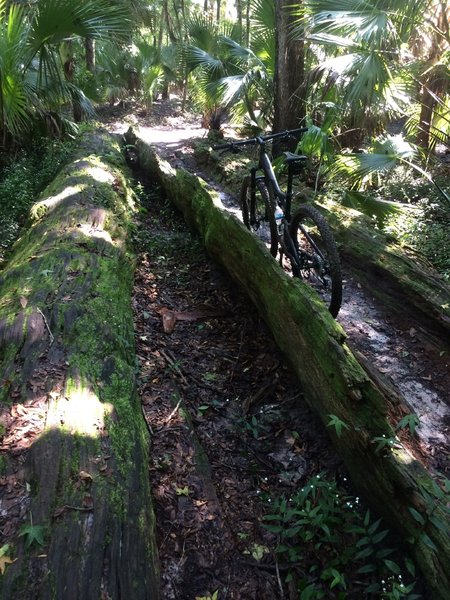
(303, 236)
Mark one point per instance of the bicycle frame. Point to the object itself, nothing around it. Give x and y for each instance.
(283, 198)
(320, 265)
(265, 165)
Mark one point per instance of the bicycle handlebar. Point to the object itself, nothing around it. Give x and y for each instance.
(260, 139)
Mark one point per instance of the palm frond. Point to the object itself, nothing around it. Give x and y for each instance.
(202, 32)
(262, 15)
(316, 141)
(56, 20)
(199, 58)
(238, 53)
(383, 156)
(375, 208)
(15, 105)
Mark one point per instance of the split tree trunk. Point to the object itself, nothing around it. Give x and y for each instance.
(392, 481)
(68, 367)
(398, 276)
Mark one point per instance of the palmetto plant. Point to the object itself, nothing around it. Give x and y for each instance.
(228, 75)
(368, 64)
(32, 82)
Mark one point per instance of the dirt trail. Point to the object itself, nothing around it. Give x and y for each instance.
(229, 429)
(409, 362)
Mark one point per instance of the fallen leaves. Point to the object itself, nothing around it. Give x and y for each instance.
(5, 560)
(170, 317)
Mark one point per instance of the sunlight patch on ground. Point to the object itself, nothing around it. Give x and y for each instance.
(167, 134)
(155, 135)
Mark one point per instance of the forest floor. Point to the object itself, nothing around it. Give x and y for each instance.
(230, 431)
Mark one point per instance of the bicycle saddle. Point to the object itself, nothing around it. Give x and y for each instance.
(290, 157)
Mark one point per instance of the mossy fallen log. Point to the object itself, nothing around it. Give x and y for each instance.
(397, 275)
(67, 357)
(336, 386)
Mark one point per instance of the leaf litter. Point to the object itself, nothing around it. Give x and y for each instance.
(227, 421)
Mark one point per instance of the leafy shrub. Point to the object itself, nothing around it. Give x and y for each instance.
(334, 549)
(426, 226)
(22, 178)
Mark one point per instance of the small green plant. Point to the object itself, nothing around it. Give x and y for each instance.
(34, 534)
(252, 426)
(201, 410)
(338, 424)
(210, 376)
(208, 596)
(385, 443)
(410, 421)
(333, 546)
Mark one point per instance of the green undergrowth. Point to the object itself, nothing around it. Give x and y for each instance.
(23, 176)
(330, 546)
(424, 222)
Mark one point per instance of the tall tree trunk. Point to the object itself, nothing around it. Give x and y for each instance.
(69, 72)
(89, 46)
(218, 11)
(168, 22)
(179, 21)
(247, 23)
(239, 14)
(289, 72)
(436, 83)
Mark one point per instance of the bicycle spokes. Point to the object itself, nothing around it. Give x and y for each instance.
(316, 260)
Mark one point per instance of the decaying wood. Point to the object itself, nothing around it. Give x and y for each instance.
(398, 275)
(392, 481)
(66, 351)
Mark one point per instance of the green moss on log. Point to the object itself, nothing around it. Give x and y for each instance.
(66, 336)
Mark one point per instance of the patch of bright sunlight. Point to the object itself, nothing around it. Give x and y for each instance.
(52, 201)
(78, 410)
(94, 232)
(99, 174)
(171, 135)
(403, 456)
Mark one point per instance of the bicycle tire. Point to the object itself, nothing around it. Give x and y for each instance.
(258, 215)
(318, 253)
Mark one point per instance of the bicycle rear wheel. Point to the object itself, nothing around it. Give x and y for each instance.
(318, 258)
(258, 215)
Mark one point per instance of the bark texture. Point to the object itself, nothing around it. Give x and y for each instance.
(289, 107)
(67, 350)
(399, 276)
(393, 482)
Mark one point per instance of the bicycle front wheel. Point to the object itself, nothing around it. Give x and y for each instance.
(317, 261)
(258, 214)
